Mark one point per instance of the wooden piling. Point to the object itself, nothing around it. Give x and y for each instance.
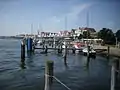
(46, 49)
(117, 68)
(65, 54)
(117, 64)
(48, 74)
(59, 49)
(52, 45)
(88, 53)
(29, 44)
(22, 65)
(108, 51)
(73, 50)
(22, 50)
(43, 47)
(113, 76)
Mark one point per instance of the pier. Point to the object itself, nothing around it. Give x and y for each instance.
(57, 46)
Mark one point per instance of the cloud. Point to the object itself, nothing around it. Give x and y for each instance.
(58, 22)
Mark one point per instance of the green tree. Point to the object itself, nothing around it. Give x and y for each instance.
(73, 31)
(86, 34)
(118, 35)
(80, 36)
(107, 35)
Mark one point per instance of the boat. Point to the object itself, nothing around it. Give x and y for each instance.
(39, 42)
(91, 51)
(78, 45)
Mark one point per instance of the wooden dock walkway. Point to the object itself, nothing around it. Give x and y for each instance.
(97, 50)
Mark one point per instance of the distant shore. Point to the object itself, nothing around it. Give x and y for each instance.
(10, 37)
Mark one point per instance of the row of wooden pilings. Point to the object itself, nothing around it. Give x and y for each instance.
(30, 48)
(29, 44)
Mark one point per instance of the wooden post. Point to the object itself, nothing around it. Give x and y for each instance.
(65, 54)
(55, 46)
(117, 67)
(52, 45)
(88, 54)
(113, 76)
(22, 65)
(33, 47)
(108, 49)
(43, 47)
(29, 44)
(46, 49)
(22, 50)
(88, 61)
(59, 49)
(117, 64)
(73, 50)
(48, 74)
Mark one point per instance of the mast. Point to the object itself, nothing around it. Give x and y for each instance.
(65, 22)
(31, 29)
(87, 21)
(39, 29)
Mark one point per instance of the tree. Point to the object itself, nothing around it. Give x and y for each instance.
(80, 36)
(107, 35)
(118, 35)
(73, 31)
(86, 34)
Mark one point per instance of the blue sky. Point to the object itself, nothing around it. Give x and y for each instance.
(16, 16)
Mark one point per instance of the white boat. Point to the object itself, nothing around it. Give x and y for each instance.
(64, 44)
(39, 42)
(78, 45)
(91, 51)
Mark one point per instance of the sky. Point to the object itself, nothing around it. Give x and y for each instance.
(28, 16)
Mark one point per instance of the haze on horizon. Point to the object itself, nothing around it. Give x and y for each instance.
(16, 16)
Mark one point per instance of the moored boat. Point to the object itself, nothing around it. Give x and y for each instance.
(78, 45)
(90, 52)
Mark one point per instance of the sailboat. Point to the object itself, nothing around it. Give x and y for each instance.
(89, 49)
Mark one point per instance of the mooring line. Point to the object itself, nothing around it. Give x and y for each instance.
(58, 81)
(118, 71)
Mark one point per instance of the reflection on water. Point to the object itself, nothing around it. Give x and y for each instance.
(28, 74)
(22, 65)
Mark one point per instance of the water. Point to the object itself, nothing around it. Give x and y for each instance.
(78, 74)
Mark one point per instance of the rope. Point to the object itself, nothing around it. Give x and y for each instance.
(61, 83)
(118, 71)
(58, 81)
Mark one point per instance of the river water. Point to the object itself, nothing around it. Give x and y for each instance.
(78, 74)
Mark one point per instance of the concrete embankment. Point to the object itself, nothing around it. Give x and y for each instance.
(112, 52)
